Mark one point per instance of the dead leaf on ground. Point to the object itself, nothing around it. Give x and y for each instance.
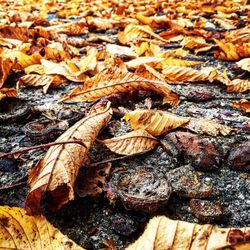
(164, 233)
(57, 171)
(135, 142)
(21, 231)
(154, 122)
(7, 92)
(114, 81)
(208, 127)
(238, 85)
(244, 64)
(5, 67)
(242, 104)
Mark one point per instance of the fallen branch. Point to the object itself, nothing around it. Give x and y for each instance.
(47, 145)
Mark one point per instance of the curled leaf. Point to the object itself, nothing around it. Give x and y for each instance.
(56, 172)
(164, 233)
(135, 142)
(244, 64)
(7, 92)
(238, 85)
(21, 231)
(154, 122)
(114, 81)
(243, 104)
(208, 127)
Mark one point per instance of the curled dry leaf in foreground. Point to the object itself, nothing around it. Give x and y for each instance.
(135, 142)
(114, 81)
(163, 233)
(21, 231)
(154, 122)
(57, 172)
(208, 127)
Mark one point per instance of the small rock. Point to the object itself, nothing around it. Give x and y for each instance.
(206, 211)
(239, 157)
(123, 224)
(185, 182)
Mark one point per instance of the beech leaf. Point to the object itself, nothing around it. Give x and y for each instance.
(21, 231)
(163, 233)
(135, 142)
(57, 171)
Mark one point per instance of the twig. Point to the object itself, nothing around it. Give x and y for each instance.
(19, 183)
(24, 150)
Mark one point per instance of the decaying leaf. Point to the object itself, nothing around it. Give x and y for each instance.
(170, 61)
(56, 172)
(135, 142)
(244, 64)
(163, 233)
(7, 92)
(242, 104)
(209, 127)
(154, 122)
(114, 81)
(21, 231)
(5, 67)
(180, 75)
(120, 51)
(92, 180)
(238, 85)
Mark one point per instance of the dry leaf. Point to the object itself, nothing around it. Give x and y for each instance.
(21, 231)
(56, 172)
(114, 81)
(92, 180)
(238, 85)
(90, 61)
(134, 33)
(242, 104)
(154, 122)
(182, 75)
(150, 60)
(208, 127)
(244, 64)
(170, 61)
(135, 142)
(5, 67)
(7, 92)
(117, 50)
(163, 233)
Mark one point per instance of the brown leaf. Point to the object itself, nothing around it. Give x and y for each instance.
(135, 142)
(164, 233)
(244, 64)
(7, 92)
(5, 67)
(21, 231)
(238, 85)
(182, 75)
(242, 104)
(92, 180)
(208, 127)
(114, 81)
(57, 172)
(170, 61)
(22, 34)
(154, 122)
(118, 50)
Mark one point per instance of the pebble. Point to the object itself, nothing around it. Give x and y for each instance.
(185, 182)
(206, 211)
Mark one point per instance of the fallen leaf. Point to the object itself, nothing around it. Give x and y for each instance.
(154, 122)
(5, 67)
(170, 61)
(114, 81)
(244, 64)
(208, 127)
(21, 231)
(118, 50)
(7, 92)
(242, 104)
(238, 85)
(164, 233)
(56, 172)
(135, 142)
(150, 60)
(182, 75)
(92, 180)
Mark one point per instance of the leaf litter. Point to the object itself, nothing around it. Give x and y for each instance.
(189, 62)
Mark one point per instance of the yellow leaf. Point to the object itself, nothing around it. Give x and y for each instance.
(118, 50)
(56, 172)
(90, 61)
(154, 122)
(163, 233)
(21, 231)
(170, 61)
(114, 81)
(150, 60)
(135, 142)
(208, 127)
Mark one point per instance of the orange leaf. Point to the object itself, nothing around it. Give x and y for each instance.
(238, 85)
(7, 92)
(5, 67)
(243, 104)
(57, 172)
